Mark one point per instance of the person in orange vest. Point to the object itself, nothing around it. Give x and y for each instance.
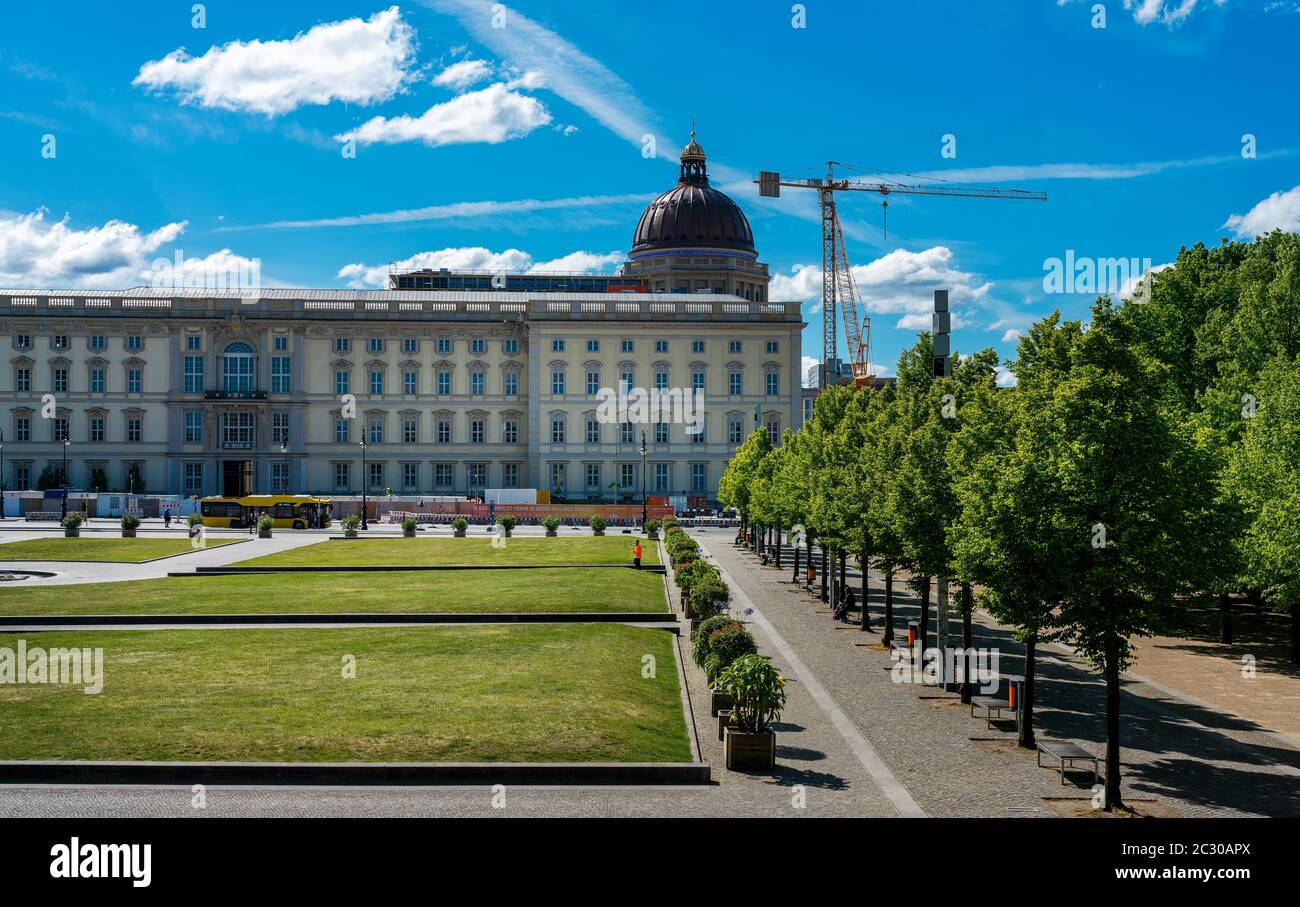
(636, 554)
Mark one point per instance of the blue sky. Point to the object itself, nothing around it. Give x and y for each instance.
(128, 134)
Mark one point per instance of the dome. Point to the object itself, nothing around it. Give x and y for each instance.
(693, 213)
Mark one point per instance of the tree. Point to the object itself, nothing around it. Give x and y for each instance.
(51, 477)
(736, 484)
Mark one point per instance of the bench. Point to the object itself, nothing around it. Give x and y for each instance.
(35, 516)
(993, 709)
(1067, 754)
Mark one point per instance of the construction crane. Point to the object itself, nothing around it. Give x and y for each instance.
(838, 288)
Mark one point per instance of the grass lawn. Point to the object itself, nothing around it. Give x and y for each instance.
(96, 549)
(476, 550)
(399, 591)
(438, 694)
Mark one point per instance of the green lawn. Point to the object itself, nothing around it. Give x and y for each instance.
(134, 550)
(437, 694)
(476, 550)
(404, 591)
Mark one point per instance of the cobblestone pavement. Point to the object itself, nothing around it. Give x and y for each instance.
(1197, 761)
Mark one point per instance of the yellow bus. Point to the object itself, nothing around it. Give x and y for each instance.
(287, 511)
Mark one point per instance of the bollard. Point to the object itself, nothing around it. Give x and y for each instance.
(913, 628)
(1015, 699)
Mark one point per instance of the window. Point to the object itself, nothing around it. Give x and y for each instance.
(773, 346)
(376, 475)
(593, 346)
(444, 430)
(697, 381)
(733, 346)
(135, 343)
(342, 379)
(557, 382)
(627, 379)
(661, 346)
(626, 346)
(279, 428)
(478, 345)
(60, 380)
(662, 476)
(96, 428)
(280, 344)
(510, 431)
(626, 433)
(375, 345)
(661, 432)
(735, 428)
(193, 342)
(60, 342)
(593, 431)
(699, 477)
(96, 380)
(557, 429)
(510, 475)
(477, 382)
(193, 374)
(376, 383)
(134, 429)
(410, 383)
(193, 478)
(342, 345)
(96, 342)
(410, 345)
(23, 341)
(237, 368)
(279, 373)
(410, 430)
(661, 380)
(593, 475)
(193, 426)
(510, 347)
(442, 475)
(774, 429)
(444, 345)
(375, 430)
(773, 384)
(697, 346)
(476, 476)
(698, 437)
(444, 382)
(342, 476)
(512, 384)
(238, 430)
(593, 383)
(626, 475)
(22, 428)
(280, 477)
(410, 475)
(735, 382)
(559, 477)
(59, 429)
(134, 381)
(23, 380)
(557, 345)
(476, 431)
(807, 408)
(341, 432)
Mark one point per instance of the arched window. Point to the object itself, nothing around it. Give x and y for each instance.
(237, 367)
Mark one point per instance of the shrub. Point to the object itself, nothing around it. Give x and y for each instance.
(551, 523)
(670, 522)
(130, 521)
(508, 523)
(264, 524)
(408, 525)
(759, 691)
(700, 635)
(708, 596)
(597, 523)
(72, 522)
(725, 646)
(351, 522)
(652, 525)
(460, 524)
(196, 519)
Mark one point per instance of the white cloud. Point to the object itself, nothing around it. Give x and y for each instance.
(355, 61)
(1011, 335)
(1005, 378)
(35, 252)
(463, 74)
(477, 258)
(1280, 211)
(494, 114)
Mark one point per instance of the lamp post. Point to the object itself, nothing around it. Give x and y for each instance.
(363, 485)
(284, 459)
(64, 477)
(643, 508)
(2, 474)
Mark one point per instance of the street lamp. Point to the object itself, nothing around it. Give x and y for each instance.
(64, 477)
(643, 510)
(363, 485)
(284, 457)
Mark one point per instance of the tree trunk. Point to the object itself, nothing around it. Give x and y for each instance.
(825, 556)
(1027, 692)
(778, 546)
(844, 566)
(1113, 800)
(889, 606)
(967, 606)
(924, 623)
(796, 566)
(1225, 618)
(866, 592)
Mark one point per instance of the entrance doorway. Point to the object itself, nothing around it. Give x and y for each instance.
(237, 478)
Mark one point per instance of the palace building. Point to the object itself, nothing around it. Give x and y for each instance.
(455, 381)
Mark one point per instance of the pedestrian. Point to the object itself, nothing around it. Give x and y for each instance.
(636, 554)
(167, 519)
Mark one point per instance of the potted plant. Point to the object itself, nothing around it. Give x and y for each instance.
(194, 519)
(72, 526)
(597, 524)
(264, 524)
(351, 523)
(652, 529)
(749, 743)
(726, 644)
(508, 524)
(458, 527)
(408, 527)
(552, 525)
(130, 523)
(702, 639)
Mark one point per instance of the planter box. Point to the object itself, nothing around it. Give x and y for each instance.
(652, 536)
(458, 533)
(719, 701)
(551, 533)
(349, 533)
(128, 533)
(72, 533)
(264, 533)
(749, 752)
(724, 721)
(408, 533)
(598, 532)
